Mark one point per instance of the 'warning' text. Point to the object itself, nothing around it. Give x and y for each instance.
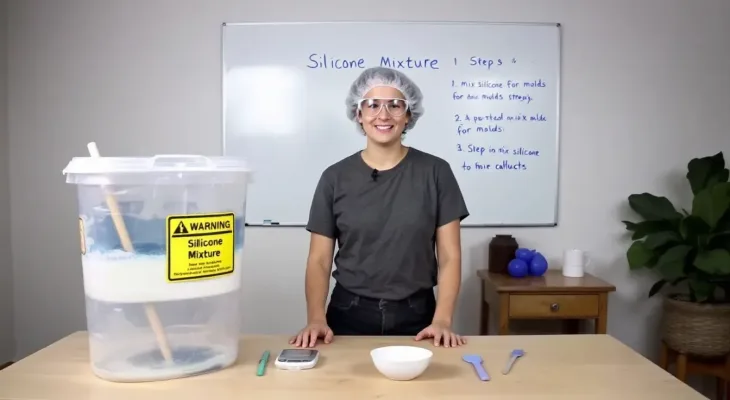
(210, 225)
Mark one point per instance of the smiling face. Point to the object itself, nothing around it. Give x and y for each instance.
(383, 114)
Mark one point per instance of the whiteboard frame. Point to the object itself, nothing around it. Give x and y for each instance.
(558, 125)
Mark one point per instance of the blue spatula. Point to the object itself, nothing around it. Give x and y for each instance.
(476, 361)
(516, 353)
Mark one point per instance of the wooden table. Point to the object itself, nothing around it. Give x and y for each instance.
(554, 367)
(551, 296)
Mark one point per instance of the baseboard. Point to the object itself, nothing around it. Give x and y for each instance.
(5, 365)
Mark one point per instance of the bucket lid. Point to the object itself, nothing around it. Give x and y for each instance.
(159, 164)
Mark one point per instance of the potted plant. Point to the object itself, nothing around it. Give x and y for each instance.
(689, 250)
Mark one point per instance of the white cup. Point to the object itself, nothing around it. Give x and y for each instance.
(574, 263)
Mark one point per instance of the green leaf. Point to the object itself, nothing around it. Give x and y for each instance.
(714, 262)
(656, 287)
(717, 162)
(712, 203)
(678, 281)
(671, 264)
(719, 241)
(638, 255)
(659, 239)
(700, 171)
(644, 228)
(701, 290)
(720, 177)
(723, 224)
(693, 227)
(653, 208)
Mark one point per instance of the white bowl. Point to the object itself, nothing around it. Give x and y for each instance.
(401, 363)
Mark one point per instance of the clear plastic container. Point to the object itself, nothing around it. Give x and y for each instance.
(161, 245)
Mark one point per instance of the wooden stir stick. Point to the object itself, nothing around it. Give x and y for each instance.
(121, 228)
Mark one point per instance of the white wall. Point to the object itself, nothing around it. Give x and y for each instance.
(645, 88)
(7, 343)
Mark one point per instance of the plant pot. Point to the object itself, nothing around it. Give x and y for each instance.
(696, 328)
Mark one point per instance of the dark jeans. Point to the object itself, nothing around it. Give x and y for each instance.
(350, 314)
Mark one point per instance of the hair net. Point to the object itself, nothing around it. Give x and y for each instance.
(381, 76)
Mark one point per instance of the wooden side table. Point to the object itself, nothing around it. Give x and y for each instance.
(551, 296)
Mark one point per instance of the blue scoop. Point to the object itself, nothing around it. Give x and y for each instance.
(476, 361)
(516, 353)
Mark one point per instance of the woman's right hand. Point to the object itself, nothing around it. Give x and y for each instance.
(308, 336)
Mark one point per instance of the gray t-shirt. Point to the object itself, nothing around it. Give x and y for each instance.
(385, 223)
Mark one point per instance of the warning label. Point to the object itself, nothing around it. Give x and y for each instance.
(199, 246)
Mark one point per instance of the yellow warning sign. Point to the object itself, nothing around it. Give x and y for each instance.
(199, 246)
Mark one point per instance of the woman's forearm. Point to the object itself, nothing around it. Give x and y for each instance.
(316, 287)
(449, 284)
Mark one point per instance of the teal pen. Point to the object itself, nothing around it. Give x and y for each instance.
(262, 363)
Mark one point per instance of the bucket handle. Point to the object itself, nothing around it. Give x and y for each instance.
(173, 159)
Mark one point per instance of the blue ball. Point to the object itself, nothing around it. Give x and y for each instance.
(524, 254)
(518, 268)
(538, 265)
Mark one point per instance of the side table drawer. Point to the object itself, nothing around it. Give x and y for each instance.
(553, 305)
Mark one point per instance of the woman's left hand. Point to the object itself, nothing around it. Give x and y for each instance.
(441, 332)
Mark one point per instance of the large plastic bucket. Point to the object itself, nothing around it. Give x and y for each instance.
(161, 246)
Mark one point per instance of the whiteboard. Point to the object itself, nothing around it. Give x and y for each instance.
(491, 99)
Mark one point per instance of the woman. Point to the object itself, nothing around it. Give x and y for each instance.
(389, 207)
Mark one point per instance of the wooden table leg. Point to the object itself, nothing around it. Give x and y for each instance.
(669, 355)
(602, 320)
(682, 367)
(484, 322)
(504, 314)
(719, 389)
(484, 314)
(722, 381)
(664, 357)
